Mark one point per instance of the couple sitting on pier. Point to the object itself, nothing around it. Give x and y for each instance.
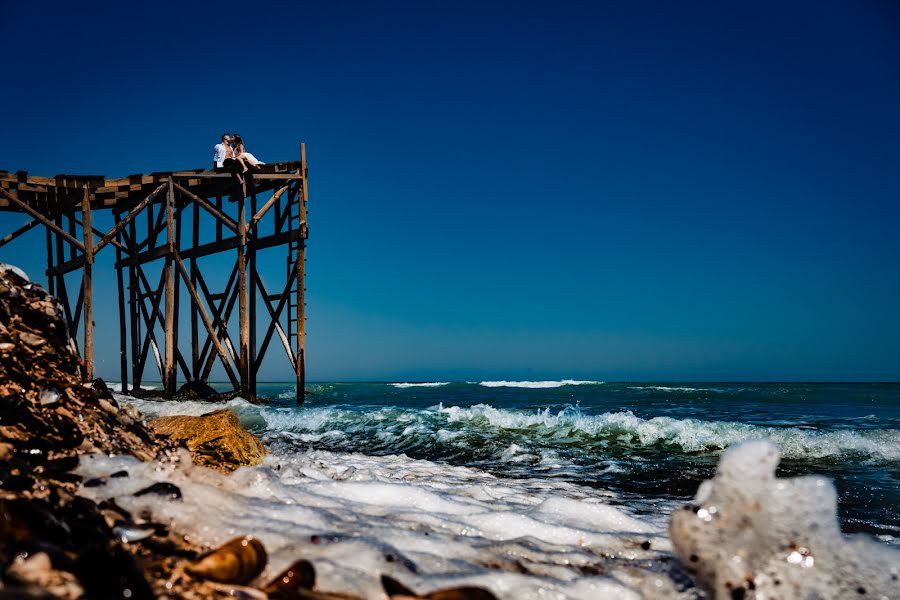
(231, 154)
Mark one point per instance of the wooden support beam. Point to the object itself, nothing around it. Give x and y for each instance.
(274, 324)
(20, 231)
(207, 322)
(88, 286)
(169, 374)
(301, 282)
(131, 215)
(262, 211)
(251, 305)
(136, 367)
(195, 339)
(243, 316)
(220, 316)
(50, 280)
(67, 267)
(220, 216)
(62, 292)
(123, 335)
(42, 219)
(150, 321)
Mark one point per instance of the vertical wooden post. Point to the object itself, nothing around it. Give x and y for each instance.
(195, 339)
(136, 373)
(242, 298)
(50, 278)
(87, 282)
(301, 283)
(177, 303)
(218, 222)
(169, 368)
(251, 336)
(61, 291)
(123, 337)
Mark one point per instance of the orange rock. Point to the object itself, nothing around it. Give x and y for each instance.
(215, 439)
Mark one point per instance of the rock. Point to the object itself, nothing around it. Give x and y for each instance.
(102, 389)
(215, 439)
(197, 390)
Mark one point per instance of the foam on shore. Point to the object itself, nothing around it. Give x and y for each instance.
(428, 525)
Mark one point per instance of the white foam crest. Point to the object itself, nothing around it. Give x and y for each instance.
(427, 384)
(691, 435)
(538, 384)
(163, 408)
(666, 388)
(356, 517)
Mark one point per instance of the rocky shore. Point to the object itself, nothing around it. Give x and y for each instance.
(56, 543)
(72, 457)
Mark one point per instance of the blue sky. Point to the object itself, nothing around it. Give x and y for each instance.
(522, 190)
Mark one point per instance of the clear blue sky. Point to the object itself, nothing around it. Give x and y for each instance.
(628, 190)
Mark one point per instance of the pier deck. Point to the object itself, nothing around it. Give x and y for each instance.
(150, 212)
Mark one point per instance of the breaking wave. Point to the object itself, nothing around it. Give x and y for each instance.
(425, 384)
(537, 384)
(483, 431)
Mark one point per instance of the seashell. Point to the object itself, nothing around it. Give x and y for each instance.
(237, 561)
(4, 267)
(6, 346)
(31, 339)
(49, 395)
(299, 576)
(461, 593)
(392, 587)
(162, 488)
(398, 591)
(133, 533)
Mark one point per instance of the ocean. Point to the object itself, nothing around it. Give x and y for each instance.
(425, 451)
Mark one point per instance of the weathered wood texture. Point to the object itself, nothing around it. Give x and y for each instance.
(144, 206)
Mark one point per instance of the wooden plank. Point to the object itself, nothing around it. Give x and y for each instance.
(195, 339)
(262, 211)
(20, 231)
(42, 219)
(88, 286)
(301, 283)
(243, 316)
(225, 219)
(131, 215)
(123, 332)
(274, 323)
(169, 375)
(221, 318)
(207, 322)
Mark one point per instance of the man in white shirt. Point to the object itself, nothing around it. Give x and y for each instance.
(223, 152)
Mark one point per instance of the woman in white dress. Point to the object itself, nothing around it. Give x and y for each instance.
(241, 155)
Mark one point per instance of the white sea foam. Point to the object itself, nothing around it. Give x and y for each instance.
(568, 426)
(356, 517)
(691, 435)
(667, 388)
(426, 384)
(750, 534)
(537, 384)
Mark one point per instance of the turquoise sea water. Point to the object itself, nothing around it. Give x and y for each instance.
(650, 443)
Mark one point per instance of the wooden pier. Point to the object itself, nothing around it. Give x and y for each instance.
(150, 213)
